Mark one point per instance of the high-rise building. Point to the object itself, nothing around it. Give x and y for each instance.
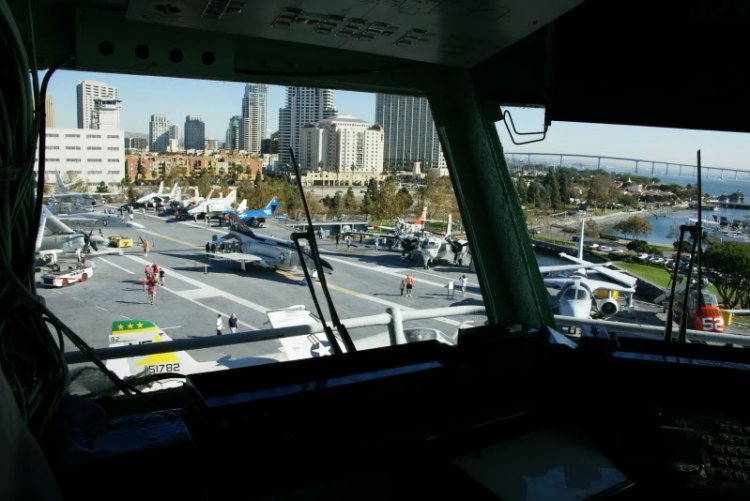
(211, 144)
(303, 105)
(98, 106)
(195, 133)
(158, 133)
(410, 135)
(49, 111)
(253, 125)
(139, 143)
(174, 132)
(341, 144)
(233, 133)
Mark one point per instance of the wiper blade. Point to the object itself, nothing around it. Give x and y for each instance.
(309, 235)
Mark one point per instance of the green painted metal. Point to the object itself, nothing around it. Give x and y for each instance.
(511, 283)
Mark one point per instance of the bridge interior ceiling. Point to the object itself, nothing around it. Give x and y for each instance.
(651, 63)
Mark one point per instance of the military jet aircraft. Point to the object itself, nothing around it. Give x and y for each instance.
(267, 252)
(160, 198)
(76, 197)
(578, 295)
(214, 206)
(256, 217)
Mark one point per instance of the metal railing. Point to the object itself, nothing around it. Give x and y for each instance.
(393, 319)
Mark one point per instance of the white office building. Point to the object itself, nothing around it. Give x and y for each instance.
(90, 155)
(158, 133)
(98, 106)
(410, 134)
(341, 144)
(303, 105)
(253, 127)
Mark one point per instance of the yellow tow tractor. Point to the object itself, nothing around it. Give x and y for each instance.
(120, 242)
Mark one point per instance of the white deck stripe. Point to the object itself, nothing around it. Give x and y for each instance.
(115, 265)
(397, 272)
(208, 290)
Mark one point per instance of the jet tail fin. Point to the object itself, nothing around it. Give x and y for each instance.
(232, 196)
(450, 226)
(175, 190)
(61, 186)
(420, 221)
(580, 241)
(242, 206)
(273, 204)
(161, 188)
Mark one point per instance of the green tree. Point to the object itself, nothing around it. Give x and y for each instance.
(385, 204)
(628, 201)
(727, 265)
(591, 229)
(532, 193)
(258, 178)
(350, 201)
(404, 200)
(131, 194)
(602, 190)
(204, 183)
(637, 246)
(636, 226)
(686, 247)
(521, 190)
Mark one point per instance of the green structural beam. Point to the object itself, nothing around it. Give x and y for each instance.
(509, 275)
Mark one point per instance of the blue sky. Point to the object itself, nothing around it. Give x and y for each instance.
(217, 101)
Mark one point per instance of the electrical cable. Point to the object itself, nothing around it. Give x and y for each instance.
(30, 358)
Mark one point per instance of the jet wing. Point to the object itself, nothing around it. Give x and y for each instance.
(591, 285)
(569, 267)
(238, 257)
(599, 268)
(97, 220)
(54, 224)
(299, 347)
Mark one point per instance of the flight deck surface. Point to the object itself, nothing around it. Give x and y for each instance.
(365, 282)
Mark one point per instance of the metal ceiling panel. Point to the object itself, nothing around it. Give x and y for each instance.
(451, 32)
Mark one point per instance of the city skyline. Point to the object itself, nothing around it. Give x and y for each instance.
(144, 96)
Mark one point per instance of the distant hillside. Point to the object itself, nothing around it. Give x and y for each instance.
(135, 134)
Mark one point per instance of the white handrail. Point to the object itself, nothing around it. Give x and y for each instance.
(138, 350)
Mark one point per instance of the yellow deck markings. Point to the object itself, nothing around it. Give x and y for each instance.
(175, 240)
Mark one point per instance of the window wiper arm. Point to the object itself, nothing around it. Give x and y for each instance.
(309, 235)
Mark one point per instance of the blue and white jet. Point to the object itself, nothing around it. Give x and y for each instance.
(256, 217)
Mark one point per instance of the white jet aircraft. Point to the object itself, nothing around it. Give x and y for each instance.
(214, 206)
(578, 292)
(160, 198)
(81, 198)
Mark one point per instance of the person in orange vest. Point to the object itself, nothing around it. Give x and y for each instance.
(409, 285)
(145, 247)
